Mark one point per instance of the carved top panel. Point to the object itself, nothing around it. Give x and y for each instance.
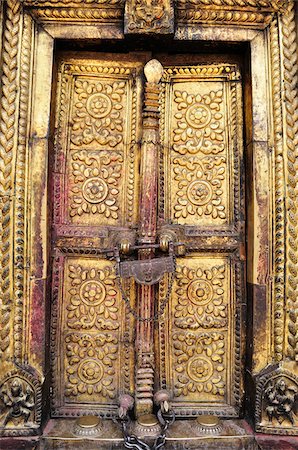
(95, 178)
(235, 4)
(213, 4)
(155, 16)
(73, 3)
(202, 144)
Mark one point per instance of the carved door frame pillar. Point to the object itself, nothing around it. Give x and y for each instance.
(30, 29)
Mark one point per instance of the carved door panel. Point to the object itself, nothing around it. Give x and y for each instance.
(95, 187)
(201, 337)
(97, 349)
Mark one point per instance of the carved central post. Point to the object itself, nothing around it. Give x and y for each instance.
(147, 234)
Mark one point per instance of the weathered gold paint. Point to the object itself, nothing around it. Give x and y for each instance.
(270, 123)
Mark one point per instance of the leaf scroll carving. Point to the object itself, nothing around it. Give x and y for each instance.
(200, 298)
(95, 189)
(97, 116)
(92, 299)
(199, 363)
(200, 126)
(200, 187)
(90, 365)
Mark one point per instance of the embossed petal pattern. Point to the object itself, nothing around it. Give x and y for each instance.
(200, 189)
(93, 299)
(201, 298)
(199, 125)
(95, 190)
(98, 113)
(199, 363)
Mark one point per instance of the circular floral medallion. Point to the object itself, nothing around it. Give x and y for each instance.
(92, 292)
(198, 115)
(200, 292)
(95, 190)
(199, 369)
(90, 371)
(99, 105)
(199, 192)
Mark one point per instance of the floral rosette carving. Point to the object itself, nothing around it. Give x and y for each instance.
(93, 299)
(96, 183)
(200, 126)
(200, 298)
(199, 363)
(200, 187)
(98, 113)
(91, 365)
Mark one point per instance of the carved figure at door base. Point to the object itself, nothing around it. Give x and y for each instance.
(277, 400)
(281, 401)
(18, 400)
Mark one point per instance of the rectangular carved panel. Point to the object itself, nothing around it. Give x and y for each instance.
(203, 336)
(98, 110)
(92, 338)
(201, 142)
(202, 203)
(95, 190)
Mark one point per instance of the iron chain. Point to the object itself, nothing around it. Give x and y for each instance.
(133, 442)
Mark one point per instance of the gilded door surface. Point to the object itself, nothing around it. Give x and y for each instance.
(95, 184)
(201, 336)
(199, 340)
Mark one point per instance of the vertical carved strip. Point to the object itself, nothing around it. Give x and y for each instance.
(20, 183)
(1, 27)
(8, 130)
(162, 157)
(147, 234)
(131, 156)
(279, 207)
(291, 139)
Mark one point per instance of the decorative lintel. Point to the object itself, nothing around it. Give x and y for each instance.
(157, 16)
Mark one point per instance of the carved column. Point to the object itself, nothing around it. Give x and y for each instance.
(147, 235)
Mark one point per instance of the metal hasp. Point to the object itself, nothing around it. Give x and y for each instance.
(148, 271)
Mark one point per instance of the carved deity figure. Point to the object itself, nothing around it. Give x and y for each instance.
(149, 11)
(17, 399)
(280, 401)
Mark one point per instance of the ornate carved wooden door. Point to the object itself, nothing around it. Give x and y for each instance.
(195, 350)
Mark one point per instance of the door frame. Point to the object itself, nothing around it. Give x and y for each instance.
(271, 136)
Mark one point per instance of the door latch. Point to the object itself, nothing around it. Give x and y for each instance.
(148, 271)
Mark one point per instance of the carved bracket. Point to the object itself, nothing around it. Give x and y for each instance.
(20, 404)
(277, 401)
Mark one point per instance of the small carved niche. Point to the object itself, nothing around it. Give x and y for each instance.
(277, 403)
(149, 17)
(20, 404)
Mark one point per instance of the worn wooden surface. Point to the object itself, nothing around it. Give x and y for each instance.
(268, 30)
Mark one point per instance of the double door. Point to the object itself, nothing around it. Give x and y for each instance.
(141, 159)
